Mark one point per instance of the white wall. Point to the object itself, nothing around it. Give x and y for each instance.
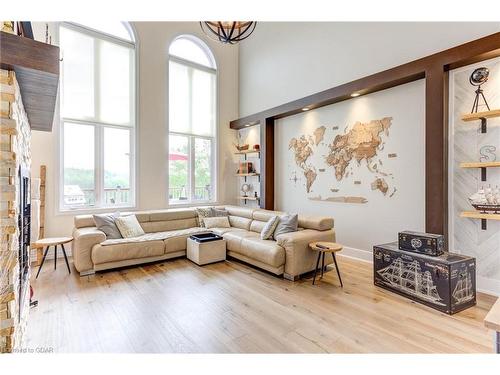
(360, 226)
(283, 61)
(154, 39)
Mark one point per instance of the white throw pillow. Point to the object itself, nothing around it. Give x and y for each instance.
(129, 226)
(216, 222)
(268, 230)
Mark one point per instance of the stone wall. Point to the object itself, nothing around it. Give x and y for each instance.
(15, 139)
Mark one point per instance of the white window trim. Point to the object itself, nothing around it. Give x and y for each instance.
(214, 177)
(61, 208)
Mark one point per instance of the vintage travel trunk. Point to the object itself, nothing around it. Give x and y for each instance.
(422, 243)
(446, 283)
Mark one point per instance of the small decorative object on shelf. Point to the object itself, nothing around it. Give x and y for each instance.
(478, 77)
(242, 147)
(487, 153)
(246, 167)
(256, 147)
(245, 188)
(486, 200)
(255, 194)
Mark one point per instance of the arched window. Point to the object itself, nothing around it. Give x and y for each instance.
(192, 121)
(98, 104)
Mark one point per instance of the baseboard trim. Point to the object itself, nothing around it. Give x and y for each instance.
(358, 254)
(488, 286)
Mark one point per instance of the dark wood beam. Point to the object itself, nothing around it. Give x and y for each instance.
(36, 66)
(434, 69)
(267, 164)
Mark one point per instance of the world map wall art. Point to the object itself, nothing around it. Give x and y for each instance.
(359, 146)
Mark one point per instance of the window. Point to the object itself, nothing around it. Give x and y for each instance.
(192, 119)
(97, 116)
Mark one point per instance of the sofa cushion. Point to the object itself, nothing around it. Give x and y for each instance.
(315, 222)
(265, 215)
(265, 251)
(234, 238)
(156, 236)
(221, 231)
(216, 222)
(124, 251)
(240, 211)
(240, 222)
(168, 225)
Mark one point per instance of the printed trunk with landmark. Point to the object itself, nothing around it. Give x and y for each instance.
(446, 283)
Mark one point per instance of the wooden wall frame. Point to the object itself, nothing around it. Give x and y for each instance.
(434, 69)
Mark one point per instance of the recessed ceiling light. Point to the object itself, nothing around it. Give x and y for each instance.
(354, 94)
(247, 125)
(306, 109)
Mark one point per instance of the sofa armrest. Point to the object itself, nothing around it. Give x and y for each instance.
(83, 241)
(299, 258)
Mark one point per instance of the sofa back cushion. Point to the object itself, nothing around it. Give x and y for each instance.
(315, 222)
(257, 226)
(240, 222)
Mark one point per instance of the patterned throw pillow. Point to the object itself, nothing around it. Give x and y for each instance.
(129, 226)
(218, 212)
(216, 222)
(268, 230)
(288, 223)
(203, 213)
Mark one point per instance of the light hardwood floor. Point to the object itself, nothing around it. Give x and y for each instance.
(176, 306)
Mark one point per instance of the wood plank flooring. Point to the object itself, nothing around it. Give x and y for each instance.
(178, 307)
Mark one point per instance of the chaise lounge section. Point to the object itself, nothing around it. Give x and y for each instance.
(166, 233)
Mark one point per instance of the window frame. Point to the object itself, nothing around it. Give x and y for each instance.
(99, 127)
(191, 137)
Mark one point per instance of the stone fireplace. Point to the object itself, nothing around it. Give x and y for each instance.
(15, 163)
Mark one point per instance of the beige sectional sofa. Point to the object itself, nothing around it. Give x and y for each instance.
(166, 233)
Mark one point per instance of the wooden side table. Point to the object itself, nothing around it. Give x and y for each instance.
(47, 243)
(322, 248)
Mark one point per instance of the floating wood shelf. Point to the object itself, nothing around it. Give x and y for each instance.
(490, 164)
(36, 66)
(247, 174)
(480, 115)
(483, 116)
(482, 165)
(479, 215)
(247, 152)
(249, 198)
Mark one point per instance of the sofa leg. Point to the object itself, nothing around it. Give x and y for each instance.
(87, 273)
(286, 276)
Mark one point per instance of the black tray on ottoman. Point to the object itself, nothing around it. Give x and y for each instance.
(205, 237)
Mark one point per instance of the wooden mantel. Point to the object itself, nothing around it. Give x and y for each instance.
(37, 71)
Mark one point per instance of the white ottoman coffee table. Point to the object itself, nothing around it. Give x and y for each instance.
(203, 253)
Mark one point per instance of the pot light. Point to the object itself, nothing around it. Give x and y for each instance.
(305, 109)
(354, 94)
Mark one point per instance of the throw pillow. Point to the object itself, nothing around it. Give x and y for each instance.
(269, 228)
(129, 226)
(106, 223)
(203, 213)
(288, 223)
(216, 222)
(217, 212)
